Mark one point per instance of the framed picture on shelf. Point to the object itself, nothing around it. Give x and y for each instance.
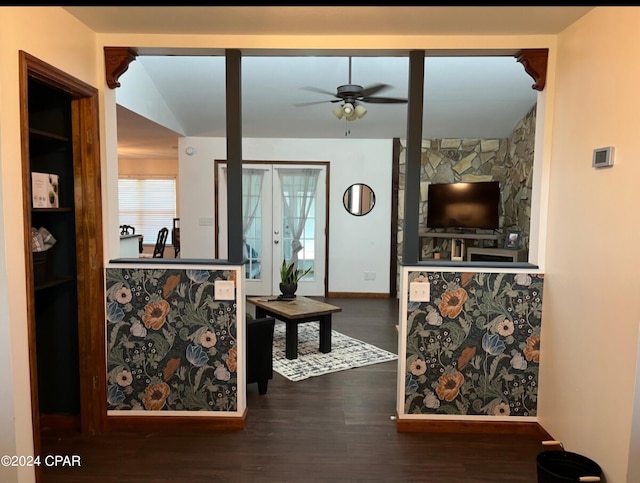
(512, 240)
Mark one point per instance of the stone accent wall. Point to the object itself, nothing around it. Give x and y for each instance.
(509, 161)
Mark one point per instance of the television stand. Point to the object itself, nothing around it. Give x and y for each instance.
(477, 254)
(456, 238)
(460, 234)
(452, 235)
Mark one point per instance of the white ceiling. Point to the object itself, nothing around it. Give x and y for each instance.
(330, 20)
(464, 97)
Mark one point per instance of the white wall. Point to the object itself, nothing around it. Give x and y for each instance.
(8, 435)
(59, 39)
(356, 243)
(7, 373)
(633, 473)
(590, 316)
(152, 105)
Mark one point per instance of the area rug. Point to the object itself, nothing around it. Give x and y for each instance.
(346, 353)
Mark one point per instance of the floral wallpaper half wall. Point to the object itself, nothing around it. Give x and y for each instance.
(170, 345)
(474, 349)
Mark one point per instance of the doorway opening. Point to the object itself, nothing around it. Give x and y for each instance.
(65, 332)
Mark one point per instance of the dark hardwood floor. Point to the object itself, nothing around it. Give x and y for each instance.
(332, 428)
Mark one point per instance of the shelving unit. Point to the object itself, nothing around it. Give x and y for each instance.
(65, 298)
(476, 254)
(456, 237)
(55, 283)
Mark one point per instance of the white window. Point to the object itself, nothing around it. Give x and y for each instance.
(148, 204)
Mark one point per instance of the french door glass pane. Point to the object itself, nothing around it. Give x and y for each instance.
(306, 256)
(253, 239)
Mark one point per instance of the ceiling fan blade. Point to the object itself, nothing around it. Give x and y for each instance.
(319, 91)
(384, 100)
(369, 91)
(298, 104)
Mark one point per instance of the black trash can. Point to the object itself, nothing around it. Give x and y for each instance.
(564, 466)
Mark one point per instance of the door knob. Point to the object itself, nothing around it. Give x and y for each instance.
(276, 242)
(276, 232)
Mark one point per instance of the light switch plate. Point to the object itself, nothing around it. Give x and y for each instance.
(419, 291)
(224, 290)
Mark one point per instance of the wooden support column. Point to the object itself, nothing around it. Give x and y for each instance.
(234, 155)
(410, 240)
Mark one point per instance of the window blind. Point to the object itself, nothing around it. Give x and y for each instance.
(148, 204)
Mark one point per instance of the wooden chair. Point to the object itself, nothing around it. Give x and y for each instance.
(161, 242)
(127, 230)
(158, 250)
(175, 237)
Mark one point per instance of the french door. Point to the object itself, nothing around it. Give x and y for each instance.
(284, 218)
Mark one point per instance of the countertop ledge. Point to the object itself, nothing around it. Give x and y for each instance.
(476, 264)
(175, 261)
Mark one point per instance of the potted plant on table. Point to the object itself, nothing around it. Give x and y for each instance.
(289, 278)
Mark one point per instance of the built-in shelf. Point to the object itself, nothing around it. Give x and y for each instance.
(53, 210)
(54, 282)
(48, 135)
(460, 235)
(59, 133)
(478, 254)
(457, 240)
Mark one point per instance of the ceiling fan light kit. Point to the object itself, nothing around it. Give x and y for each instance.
(360, 111)
(348, 109)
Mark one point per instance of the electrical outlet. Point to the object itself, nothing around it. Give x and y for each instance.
(419, 291)
(369, 275)
(224, 290)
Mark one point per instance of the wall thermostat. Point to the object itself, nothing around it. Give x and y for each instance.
(602, 157)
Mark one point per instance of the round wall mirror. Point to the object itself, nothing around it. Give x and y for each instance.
(359, 199)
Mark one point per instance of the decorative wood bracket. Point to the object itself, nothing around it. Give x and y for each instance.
(116, 63)
(535, 63)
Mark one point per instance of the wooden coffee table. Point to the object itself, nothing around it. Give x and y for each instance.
(294, 312)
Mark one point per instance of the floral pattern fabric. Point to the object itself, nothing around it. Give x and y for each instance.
(170, 345)
(474, 349)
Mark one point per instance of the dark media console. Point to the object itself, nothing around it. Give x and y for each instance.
(492, 238)
(477, 254)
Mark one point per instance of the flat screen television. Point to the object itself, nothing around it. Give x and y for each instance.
(464, 205)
